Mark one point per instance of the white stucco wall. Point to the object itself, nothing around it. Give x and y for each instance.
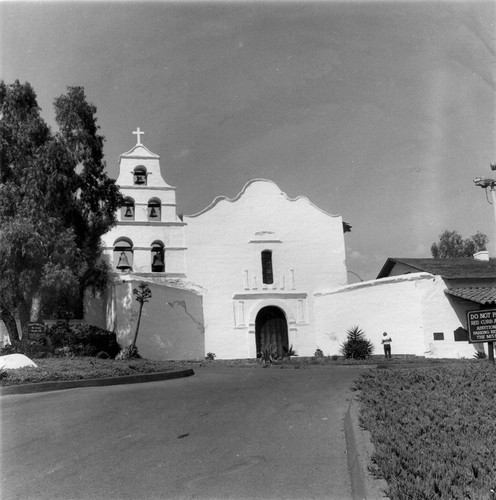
(171, 326)
(409, 307)
(225, 242)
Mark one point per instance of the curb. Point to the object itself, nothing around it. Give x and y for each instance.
(93, 382)
(359, 447)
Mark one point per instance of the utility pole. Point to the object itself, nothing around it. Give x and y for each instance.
(490, 184)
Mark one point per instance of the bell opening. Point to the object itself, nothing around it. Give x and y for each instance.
(123, 264)
(158, 263)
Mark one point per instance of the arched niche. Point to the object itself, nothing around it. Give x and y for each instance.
(123, 255)
(157, 257)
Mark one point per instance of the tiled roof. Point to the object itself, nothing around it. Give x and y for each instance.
(466, 267)
(481, 295)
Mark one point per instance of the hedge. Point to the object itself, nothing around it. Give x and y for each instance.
(434, 430)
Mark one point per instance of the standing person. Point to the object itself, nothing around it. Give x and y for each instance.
(386, 342)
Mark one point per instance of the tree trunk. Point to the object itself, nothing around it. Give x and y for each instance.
(23, 312)
(137, 326)
(10, 324)
(29, 313)
(35, 312)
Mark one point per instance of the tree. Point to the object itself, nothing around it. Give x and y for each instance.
(143, 294)
(56, 201)
(451, 245)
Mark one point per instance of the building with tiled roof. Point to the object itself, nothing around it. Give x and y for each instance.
(421, 303)
(462, 268)
(468, 278)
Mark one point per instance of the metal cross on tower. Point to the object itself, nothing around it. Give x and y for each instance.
(137, 133)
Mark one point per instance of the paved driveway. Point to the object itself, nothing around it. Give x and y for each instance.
(223, 433)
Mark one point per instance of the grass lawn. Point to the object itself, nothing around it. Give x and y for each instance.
(77, 368)
(433, 428)
(56, 369)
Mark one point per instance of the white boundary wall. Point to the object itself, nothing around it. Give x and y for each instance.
(409, 307)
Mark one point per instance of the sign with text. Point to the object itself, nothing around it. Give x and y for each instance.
(36, 330)
(482, 325)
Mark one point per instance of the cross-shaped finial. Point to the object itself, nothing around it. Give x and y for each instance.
(137, 133)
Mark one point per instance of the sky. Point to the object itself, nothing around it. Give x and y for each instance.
(382, 112)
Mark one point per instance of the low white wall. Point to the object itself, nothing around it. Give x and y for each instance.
(409, 307)
(171, 326)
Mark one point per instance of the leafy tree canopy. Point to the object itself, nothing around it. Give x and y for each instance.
(451, 245)
(56, 201)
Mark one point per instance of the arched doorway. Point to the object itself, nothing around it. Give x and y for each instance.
(271, 331)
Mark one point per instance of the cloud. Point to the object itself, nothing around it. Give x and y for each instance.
(182, 154)
(356, 255)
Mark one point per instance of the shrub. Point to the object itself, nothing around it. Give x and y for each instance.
(356, 345)
(9, 349)
(480, 355)
(289, 351)
(98, 339)
(58, 334)
(30, 348)
(318, 353)
(334, 357)
(65, 339)
(210, 356)
(268, 355)
(129, 352)
(433, 430)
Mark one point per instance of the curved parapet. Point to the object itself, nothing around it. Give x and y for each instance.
(271, 186)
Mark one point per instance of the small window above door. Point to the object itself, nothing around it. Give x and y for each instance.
(267, 274)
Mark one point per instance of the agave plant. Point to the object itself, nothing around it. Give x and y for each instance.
(289, 351)
(356, 345)
(268, 354)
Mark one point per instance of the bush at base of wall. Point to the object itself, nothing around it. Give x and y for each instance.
(64, 339)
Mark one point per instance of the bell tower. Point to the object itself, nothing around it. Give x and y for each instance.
(149, 236)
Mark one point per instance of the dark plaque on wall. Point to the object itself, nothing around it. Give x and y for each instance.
(36, 330)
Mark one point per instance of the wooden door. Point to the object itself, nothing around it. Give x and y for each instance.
(272, 331)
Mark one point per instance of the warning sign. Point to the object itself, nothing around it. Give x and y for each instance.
(36, 331)
(482, 325)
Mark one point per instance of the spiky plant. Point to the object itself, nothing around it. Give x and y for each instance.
(289, 351)
(268, 355)
(356, 345)
(480, 355)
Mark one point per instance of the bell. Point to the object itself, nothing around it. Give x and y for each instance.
(139, 179)
(123, 264)
(157, 263)
(153, 212)
(129, 212)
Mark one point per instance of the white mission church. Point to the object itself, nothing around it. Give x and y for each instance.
(232, 279)
(255, 271)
